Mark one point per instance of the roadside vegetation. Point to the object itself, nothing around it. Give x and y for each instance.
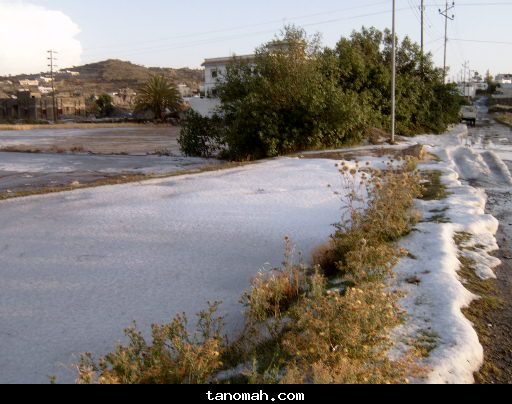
(505, 119)
(102, 106)
(299, 95)
(325, 323)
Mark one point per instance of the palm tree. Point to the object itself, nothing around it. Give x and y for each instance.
(159, 96)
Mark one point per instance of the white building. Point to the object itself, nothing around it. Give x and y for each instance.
(215, 70)
(29, 83)
(503, 91)
(482, 86)
(504, 79)
(184, 90)
(467, 89)
(44, 90)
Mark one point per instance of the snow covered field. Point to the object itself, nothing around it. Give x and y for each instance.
(64, 163)
(80, 266)
(133, 140)
(77, 268)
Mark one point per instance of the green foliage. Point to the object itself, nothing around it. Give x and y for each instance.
(104, 105)
(424, 103)
(159, 96)
(287, 101)
(297, 95)
(201, 136)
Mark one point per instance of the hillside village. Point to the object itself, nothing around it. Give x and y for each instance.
(29, 97)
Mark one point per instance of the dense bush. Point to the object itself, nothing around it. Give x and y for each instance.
(424, 103)
(297, 95)
(289, 100)
(201, 136)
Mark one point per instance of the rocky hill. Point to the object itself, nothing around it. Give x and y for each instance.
(112, 75)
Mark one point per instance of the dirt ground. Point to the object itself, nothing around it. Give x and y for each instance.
(495, 325)
(129, 140)
(492, 315)
(36, 161)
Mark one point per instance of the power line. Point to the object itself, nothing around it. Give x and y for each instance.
(206, 41)
(236, 28)
(505, 3)
(482, 41)
(236, 36)
(393, 77)
(422, 7)
(444, 13)
(52, 66)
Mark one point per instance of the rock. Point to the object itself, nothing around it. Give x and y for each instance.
(419, 151)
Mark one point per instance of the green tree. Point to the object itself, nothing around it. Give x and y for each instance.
(297, 95)
(364, 61)
(286, 101)
(104, 105)
(159, 96)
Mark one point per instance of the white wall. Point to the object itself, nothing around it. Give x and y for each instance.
(203, 106)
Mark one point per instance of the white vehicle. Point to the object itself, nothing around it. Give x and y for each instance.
(469, 114)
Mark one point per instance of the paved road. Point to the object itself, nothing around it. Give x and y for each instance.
(496, 137)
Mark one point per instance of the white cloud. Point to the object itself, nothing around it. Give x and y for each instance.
(27, 31)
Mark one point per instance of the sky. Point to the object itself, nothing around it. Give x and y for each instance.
(172, 33)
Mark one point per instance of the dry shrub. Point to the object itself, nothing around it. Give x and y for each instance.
(379, 212)
(77, 149)
(273, 292)
(324, 258)
(174, 356)
(343, 338)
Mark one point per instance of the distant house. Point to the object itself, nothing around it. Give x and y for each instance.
(504, 91)
(184, 90)
(67, 73)
(482, 86)
(29, 83)
(124, 98)
(216, 69)
(46, 80)
(33, 106)
(467, 89)
(504, 79)
(45, 90)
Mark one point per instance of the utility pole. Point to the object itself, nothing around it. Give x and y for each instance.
(393, 77)
(52, 66)
(465, 66)
(422, 29)
(447, 17)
